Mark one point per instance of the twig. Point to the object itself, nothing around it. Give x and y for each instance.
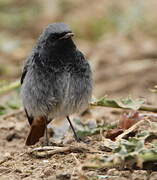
(9, 87)
(45, 148)
(79, 168)
(148, 108)
(142, 108)
(132, 128)
(43, 152)
(77, 161)
(5, 159)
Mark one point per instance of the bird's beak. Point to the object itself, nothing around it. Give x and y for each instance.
(67, 35)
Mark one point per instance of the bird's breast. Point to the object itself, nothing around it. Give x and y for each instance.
(59, 93)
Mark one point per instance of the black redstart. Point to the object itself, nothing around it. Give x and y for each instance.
(56, 81)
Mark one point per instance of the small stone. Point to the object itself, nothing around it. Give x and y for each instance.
(18, 171)
(139, 174)
(45, 161)
(63, 176)
(48, 172)
(126, 174)
(153, 176)
(12, 136)
(113, 172)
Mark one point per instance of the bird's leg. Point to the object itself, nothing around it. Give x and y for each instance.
(46, 133)
(76, 137)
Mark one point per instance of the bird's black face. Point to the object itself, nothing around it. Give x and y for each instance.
(54, 39)
(54, 34)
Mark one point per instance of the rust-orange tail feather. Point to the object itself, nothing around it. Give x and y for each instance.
(36, 132)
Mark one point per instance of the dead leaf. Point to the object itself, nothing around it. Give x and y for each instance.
(127, 120)
(113, 133)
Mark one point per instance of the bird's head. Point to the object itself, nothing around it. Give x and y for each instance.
(56, 35)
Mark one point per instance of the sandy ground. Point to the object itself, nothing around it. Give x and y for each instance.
(122, 65)
(17, 162)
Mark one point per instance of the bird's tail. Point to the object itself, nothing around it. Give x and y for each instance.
(36, 132)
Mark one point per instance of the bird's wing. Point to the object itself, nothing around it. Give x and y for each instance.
(23, 73)
(27, 63)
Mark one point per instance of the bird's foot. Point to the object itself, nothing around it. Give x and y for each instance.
(79, 140)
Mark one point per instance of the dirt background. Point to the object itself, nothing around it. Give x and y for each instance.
(120, 41)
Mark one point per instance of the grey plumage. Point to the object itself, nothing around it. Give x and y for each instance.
(56, 79)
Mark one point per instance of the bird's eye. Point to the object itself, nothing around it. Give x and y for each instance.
(52, 38)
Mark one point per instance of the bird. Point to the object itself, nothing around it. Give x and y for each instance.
(56, 81)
